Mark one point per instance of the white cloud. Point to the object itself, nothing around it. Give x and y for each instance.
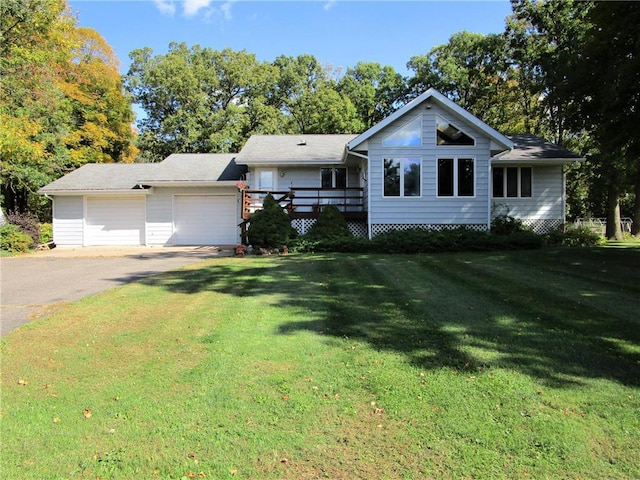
(225, 8)
(192, 7)
(166, 7)
(329, 4)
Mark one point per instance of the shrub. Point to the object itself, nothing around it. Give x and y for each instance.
(12, 240)
(507, 225)
(330, 224)
(271, 226)
(46, 232)
(27, 224)
(574, 237)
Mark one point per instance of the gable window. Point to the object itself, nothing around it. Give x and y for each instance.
(456, 177)
(511, 182)
(408, 135)
(448, 134)
(402, 177)
(333, 177)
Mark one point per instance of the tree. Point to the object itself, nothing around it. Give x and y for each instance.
(606, 82)
(374, 90)
(198, 100)
(472, 70)
(61, 102)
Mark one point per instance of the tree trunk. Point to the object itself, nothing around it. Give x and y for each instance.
(614, 231)
(635, 226)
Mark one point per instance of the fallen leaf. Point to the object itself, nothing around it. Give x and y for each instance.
(56, 420)
(87, 413)
(233, 472)
(22, 382)
(284, 460)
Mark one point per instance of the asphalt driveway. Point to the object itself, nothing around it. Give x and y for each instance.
(34, 285)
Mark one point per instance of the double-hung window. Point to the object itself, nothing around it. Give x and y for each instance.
(333, 177)
(402, 177)
(511, 182)
(456, 177)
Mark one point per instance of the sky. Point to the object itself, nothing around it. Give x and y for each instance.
(338, 33)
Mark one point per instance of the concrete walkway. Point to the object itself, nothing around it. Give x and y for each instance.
(34, 285)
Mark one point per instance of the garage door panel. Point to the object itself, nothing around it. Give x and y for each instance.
(205, 220)
(115, 221)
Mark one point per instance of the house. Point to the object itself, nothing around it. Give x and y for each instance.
(431, 164)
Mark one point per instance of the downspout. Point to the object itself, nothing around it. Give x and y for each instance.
(489, 194)
(366, 157)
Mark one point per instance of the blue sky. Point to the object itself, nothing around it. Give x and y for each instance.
(337, 32)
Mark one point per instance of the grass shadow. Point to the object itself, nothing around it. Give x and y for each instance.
(560, 316)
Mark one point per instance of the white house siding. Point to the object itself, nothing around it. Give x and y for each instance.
(428, 210)
(68, 220)
(160, 211)
(544, 209)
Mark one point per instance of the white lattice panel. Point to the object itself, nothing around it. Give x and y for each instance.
(543, 226)
(377, 229)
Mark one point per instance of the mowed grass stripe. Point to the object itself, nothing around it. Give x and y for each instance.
(334, 366)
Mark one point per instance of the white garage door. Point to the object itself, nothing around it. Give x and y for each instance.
(115, 221)
(205, 220)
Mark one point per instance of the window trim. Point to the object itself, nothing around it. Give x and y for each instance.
(439, 120)
(334, 177)
(401, 176)
(456, 180)
(420, 130)
(519, 181)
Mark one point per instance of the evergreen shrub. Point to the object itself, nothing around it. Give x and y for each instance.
(270, 227)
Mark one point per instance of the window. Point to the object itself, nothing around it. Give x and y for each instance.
(456, 177)
(402, 177)
(512, 182)
(265, 179)
(409, 135)
(333, 177)
(448, 134)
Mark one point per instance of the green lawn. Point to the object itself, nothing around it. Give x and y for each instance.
(504, 365)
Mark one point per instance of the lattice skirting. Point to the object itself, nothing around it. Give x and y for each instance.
(377, 229)
(302, 226)
(543, 226)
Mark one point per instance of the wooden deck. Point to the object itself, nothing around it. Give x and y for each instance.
(308, 202)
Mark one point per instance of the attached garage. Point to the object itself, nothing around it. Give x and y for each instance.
(205, 220)
(115, 220)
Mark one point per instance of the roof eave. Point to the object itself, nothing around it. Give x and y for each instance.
(102, 191)
(535, 161)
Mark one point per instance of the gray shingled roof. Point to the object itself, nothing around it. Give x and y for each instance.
(100, 177)
(175, 169)
(196, 167)
(298, 149)
(528, 147)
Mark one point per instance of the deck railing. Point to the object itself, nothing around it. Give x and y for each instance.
(306, 202)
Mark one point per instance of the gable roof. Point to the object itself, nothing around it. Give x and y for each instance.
(499, 142)
(294, 149)
(176, 170)
(534, 149)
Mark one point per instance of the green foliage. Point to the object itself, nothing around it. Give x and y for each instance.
(12, 240)
(575, 237)
(330, 225)
(507, 225)
(270, 227)
(27, 223)
(424, 241)
(61, 101)
(46, 232)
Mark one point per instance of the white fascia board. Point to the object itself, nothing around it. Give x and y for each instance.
(187, 183)
(293, 163)
(93, 193)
